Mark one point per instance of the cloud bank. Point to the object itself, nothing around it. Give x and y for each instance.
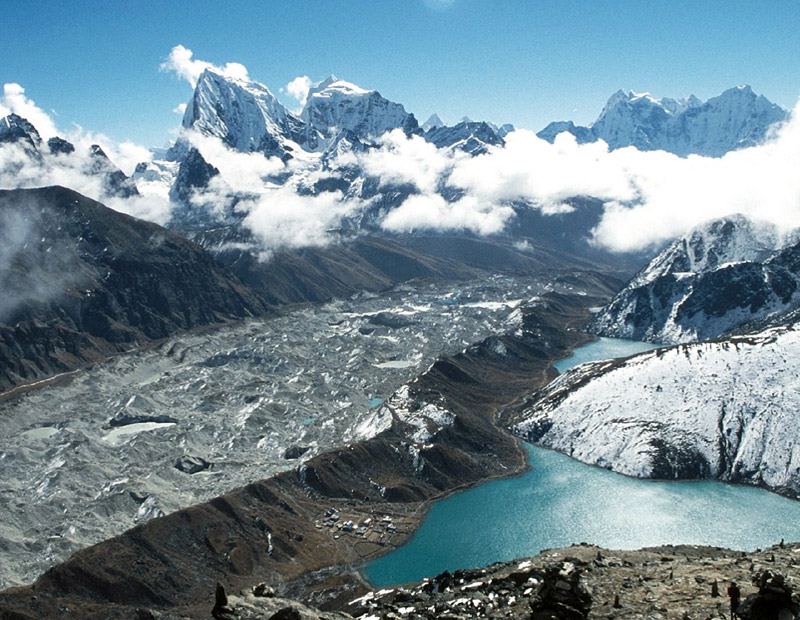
(650, 197)
(278, 215)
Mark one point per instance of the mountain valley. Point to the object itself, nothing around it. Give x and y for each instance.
(337, 317)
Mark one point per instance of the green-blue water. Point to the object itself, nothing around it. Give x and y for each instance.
(561, 501)
(603, 349)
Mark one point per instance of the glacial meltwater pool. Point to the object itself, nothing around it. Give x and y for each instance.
(561, 501)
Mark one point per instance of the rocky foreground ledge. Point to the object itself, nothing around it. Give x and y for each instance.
(573, 583)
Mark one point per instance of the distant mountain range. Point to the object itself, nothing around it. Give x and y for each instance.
(735, 119)
(341, 120)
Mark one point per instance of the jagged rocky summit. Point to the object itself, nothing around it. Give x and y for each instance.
(720, 275)
(735, 119)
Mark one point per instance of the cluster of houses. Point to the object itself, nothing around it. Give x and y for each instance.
(333, 520)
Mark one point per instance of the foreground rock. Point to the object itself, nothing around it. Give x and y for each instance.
(584, 581)
(581, 582)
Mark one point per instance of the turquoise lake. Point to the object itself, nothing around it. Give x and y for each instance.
(561, 501)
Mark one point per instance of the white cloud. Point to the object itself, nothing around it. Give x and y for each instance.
(282, 218)
(19, 170)
(277, 215)
(401, 160)
(531, 169)
(299, 87)
(426, 211)
(650, 197)
(14, 100)
(181, 62)
(243, 172)
(180, 109)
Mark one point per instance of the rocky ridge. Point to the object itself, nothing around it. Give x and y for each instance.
(720, 275)
(82, 281)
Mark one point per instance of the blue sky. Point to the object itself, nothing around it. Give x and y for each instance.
(521, 61)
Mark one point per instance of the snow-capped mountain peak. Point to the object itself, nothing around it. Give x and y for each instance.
(331, 86)
(719, 276)
(433, 122)
(735, 119)
(246, 116)
(731, 239)
(336, 105)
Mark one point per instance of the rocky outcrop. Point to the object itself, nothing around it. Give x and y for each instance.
(584, 581)
(519, 589)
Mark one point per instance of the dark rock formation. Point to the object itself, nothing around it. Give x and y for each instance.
(82, 281)
(115, 182)
(59, 146)
(191, 464)
(16, 130)
(295, 452)
(776, 598)
(194, 173)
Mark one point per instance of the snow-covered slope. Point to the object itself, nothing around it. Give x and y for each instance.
(725, 410)
(335, 105)
(245, 115)
(720, 275)
(735, 119)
